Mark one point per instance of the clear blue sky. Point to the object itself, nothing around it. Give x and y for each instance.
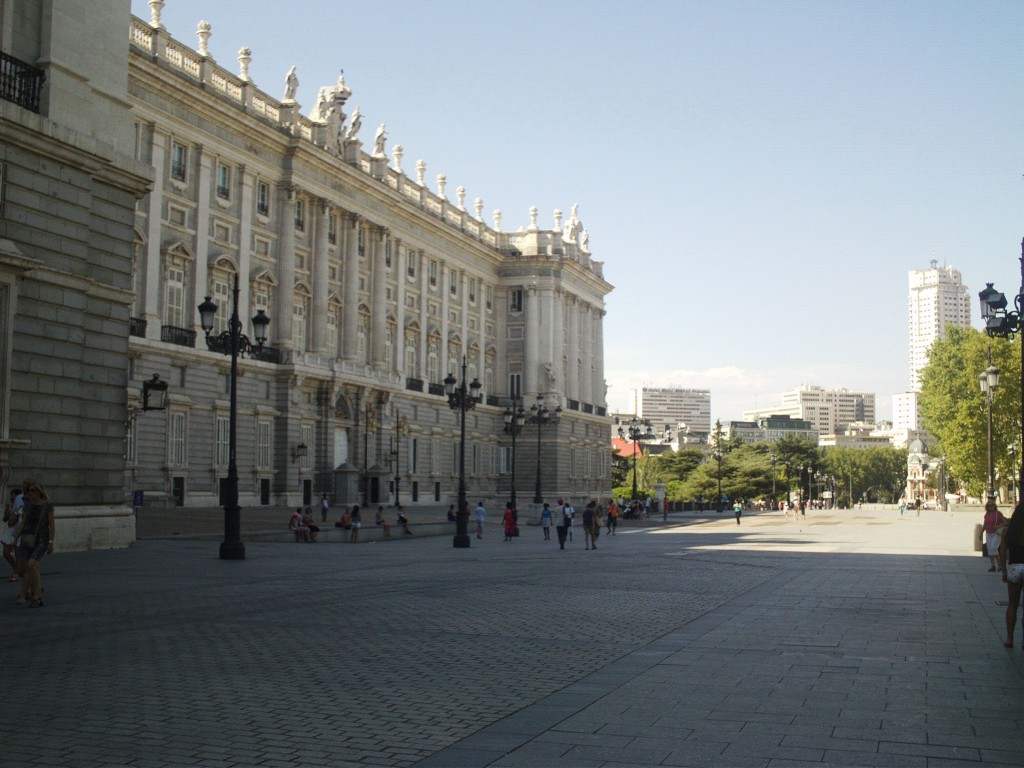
(758, 177)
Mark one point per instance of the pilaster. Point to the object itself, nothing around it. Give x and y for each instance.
(350, 311)
(283, 313)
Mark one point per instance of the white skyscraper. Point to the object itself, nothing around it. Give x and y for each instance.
(937, 298)
(667, 408)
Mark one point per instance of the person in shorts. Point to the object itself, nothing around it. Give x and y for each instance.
(993, 523)
(1011, 565)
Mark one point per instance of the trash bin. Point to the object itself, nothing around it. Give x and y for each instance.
(978, 537)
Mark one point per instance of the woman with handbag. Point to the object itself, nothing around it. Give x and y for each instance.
(35, 536)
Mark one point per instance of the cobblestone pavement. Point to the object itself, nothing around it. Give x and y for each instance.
(849, 638)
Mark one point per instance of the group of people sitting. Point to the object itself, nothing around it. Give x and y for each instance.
(351, 521)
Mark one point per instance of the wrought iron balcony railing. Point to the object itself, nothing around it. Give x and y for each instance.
(20, 82)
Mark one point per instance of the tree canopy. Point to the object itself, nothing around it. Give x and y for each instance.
(955, 411)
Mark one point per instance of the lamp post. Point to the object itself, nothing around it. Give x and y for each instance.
(462, 398)
(1013, 473)
(718, 458)
(789, 486)
(234, 343)
(773, 459)
(989, 380)
(1003, 324)
(515, 417)
(635, 434)
(401, 428)
(369, 422)
(540, 415)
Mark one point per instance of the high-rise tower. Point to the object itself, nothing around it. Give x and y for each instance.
(937, 298)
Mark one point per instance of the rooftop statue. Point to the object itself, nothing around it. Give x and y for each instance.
(354, 126)
(291, 85)
(378, 142)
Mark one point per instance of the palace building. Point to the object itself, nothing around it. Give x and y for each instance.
(377, 288)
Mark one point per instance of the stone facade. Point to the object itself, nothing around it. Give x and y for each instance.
(68, 193)
(377, 288)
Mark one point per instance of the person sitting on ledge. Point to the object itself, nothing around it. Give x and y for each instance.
(296, 525)
(404, 521)
(345, 523)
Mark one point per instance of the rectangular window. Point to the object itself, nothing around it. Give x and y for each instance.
(263, 199)
(332, 228)
(263, 439)
(299, 326)
(435, 456)
(223, 181)
(477, 454)
(471, 284)
(179, 161)
(300, 215)
(413, 455)
(131, 443)
(453, 283)
(332, 333)
(222, 298)
(177, 427)
(306, 439)
(174, 298)
(222, 450)
(413, 263)
(432, 273)
(515, 302)
(488, 298)
(515, 384)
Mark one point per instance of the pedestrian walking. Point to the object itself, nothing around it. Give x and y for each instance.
(589, 513)
(570, 515)
(1011, 566)
(480, 513)
(325, 507)
(508, 521)
(613, 517)
(545, 521)
(7, 529)
(357, 523)
(35, 535)
(737, 507)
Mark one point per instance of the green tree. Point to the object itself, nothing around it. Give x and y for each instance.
(955, 411)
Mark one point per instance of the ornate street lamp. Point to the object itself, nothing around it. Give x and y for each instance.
(718, 458)
(234, 343)
(515, 417)
(637, 432)
(773, 459)
(154, 394)
(1003, 324)
(462, 398)
(369, 422)
(540, 415)
(989, 380)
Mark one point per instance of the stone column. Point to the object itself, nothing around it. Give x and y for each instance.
(598, 385)
(350, 289)
(586, 354)
(378, 306)
(424, 316)
(201, 285)
(282, 313)
(400, 256)
(443, 277)
(558, 338)
(572, 383)
(150, 308)
(531, 365)
(319, 274)
(245, 245)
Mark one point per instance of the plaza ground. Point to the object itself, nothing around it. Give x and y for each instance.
(846, 638)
